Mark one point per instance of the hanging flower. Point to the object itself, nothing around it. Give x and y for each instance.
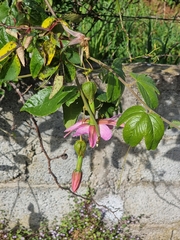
(83, 127)
(76, 180)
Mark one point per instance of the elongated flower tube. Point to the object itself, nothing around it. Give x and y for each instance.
(80, 148)
(76, 180)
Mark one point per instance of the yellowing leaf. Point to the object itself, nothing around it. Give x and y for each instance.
(20, 53)
(47, 72)
(49, 49)
(48, 22)
(7, 50)
(63, 23)
(57, 85)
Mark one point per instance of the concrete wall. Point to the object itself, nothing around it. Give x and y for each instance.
(147, 183)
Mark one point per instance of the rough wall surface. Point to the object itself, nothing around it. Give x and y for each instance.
(148, 182)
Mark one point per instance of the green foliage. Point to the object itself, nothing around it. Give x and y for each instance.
(36, 63)
(40, 104)
(53, 53)
(139, 125)
(147, 89)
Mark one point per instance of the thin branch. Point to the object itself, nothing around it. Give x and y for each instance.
(40, 139)
(50, 8)
(24, 27)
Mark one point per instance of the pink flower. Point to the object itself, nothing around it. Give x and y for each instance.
(80, 38)
(76, 180)
(83, 127)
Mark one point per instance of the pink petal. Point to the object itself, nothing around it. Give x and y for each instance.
(75, 41)
(74, 127)
(105, 132)
(108, 121)
(83, 129)
(73, 33)
(92, 136)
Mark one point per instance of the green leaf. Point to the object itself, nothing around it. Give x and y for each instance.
(147, 89)
(40, 104)
(11, 70)
(72, 56)
(36, 63)
(34, 12)
(4, 10)
(113, 88)
(73, 98)
(175, 122)
(117, 67)
(139, 124)
(4, 37)
(72, 112)
(70, 72)
(102, 97)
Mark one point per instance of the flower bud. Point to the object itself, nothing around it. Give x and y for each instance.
(89, 90)
(76, 180)
(80, 147)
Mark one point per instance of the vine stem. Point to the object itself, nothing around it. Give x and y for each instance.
(129, 87)
(88, 108)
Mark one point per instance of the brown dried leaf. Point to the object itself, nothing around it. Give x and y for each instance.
(12, 33)
(26, 41)
(20, 53)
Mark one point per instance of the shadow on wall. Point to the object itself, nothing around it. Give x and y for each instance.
(18, 126)
(35, 218)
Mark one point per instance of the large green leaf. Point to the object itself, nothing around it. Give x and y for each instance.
(72, 112)
(147, 89)
(36, 63)
(40, 104)
(139, 124)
